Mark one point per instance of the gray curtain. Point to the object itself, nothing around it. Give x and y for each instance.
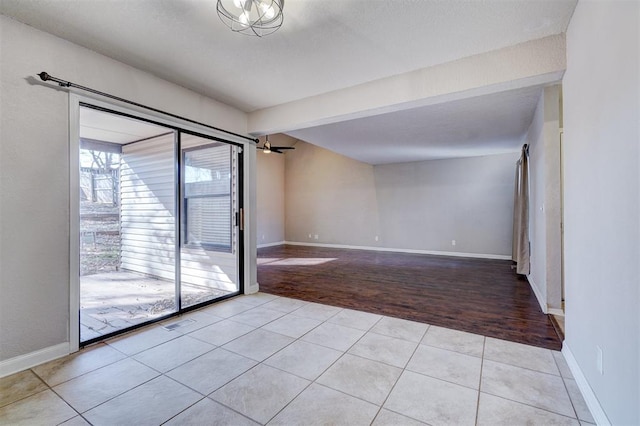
(520, 246)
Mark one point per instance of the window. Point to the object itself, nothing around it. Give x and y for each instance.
(207, 197)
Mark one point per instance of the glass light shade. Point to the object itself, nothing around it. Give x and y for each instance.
(251, 17)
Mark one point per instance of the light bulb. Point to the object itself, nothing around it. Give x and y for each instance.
(268, 12)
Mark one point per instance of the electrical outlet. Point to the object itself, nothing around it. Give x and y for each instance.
(599, 360)
(376, 238)
(262, 237)
(309, 235)
(453, 242)
(315, 237)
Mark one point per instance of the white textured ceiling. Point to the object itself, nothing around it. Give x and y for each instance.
(483, 125)
(106, 127)
(323, 46)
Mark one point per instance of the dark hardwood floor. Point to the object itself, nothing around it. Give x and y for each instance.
(476, 295)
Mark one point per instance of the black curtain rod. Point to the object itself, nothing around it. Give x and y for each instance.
(46, 77)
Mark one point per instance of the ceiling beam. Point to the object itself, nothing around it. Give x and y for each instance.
(537, 62)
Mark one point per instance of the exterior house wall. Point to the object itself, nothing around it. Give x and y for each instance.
(148, 222)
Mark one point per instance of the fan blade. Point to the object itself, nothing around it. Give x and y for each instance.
(282, 147)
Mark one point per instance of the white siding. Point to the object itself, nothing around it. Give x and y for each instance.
(148, 223)
(147, 193)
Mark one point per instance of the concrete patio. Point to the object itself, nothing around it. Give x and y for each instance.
(113, 301)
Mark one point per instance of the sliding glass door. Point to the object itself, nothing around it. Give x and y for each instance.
(159, 221)
(210, 211)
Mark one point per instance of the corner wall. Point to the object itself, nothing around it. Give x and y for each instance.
(601, 95)
(34, 173)
(419, 206)
(270, 196)
(543, 138)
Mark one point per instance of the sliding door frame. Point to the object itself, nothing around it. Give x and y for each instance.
(245, 265)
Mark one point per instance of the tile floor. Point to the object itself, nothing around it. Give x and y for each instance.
(262, 359)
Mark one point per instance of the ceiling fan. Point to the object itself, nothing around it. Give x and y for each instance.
(267, 147)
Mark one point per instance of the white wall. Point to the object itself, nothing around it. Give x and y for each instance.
(543, 138)
(270, 196)
(601, 94)
(413, 206)
(34, 172)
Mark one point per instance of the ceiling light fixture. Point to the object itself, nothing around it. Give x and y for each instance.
(251, 17)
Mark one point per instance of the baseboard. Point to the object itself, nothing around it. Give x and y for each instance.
(587, 393)
(252, 289)
(277, 243)
(400, 250)
(556, 312)
(541, 299)
(23, 362)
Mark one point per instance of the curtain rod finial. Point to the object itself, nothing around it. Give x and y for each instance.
(44, 76)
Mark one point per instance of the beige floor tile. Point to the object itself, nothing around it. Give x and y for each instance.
(563, 367)
(94, 388)
(194, 321)
(211, 370)
(19, 386)
(149, 404)
(529, 387)
(44, 408)
(355, 319)
(362, 378)
(228, 308)
(257, 299)
(389, 350)
(520, 355)
(285, 304)
(222, 332)
(334, 336)
(389, 418)
(502, 412)
(257, 317)
(433, 401)
(261, 392)
(319, 405)
(259, 344)
(210, 413)
(89, 359)
(317, 311)
(76, 421)
(292, 325)
(579, 404)
(304, 359)
(454, 340)
(139, 341)
(173, 353)
(401, 329)
(447, 365)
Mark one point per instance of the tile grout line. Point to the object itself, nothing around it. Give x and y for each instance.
(400, 375)
(564, 383)
(267, 365)
(484, 343)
